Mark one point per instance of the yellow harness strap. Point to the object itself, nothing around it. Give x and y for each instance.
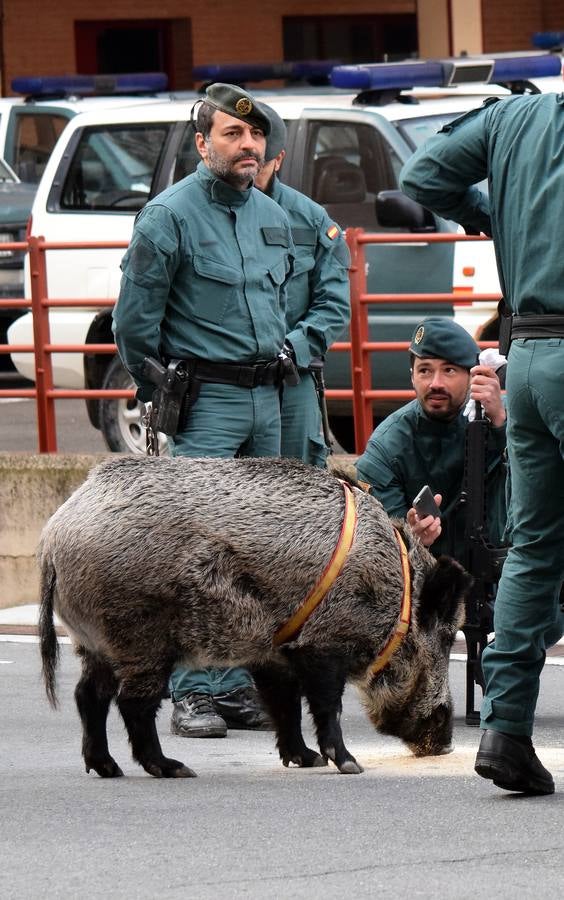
(330, 573)
(402, 627)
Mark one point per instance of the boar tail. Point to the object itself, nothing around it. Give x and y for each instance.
(47, 634)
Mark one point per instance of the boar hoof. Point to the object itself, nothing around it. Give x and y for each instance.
(107, 768)
(350, 767)
(305, 760)
(169, 768)
(183, 772)
(319, 761)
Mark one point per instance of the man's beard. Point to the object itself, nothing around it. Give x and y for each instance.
(223, 167)
(446, 414)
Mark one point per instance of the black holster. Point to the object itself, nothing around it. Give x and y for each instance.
(505, 322)
(172, 395)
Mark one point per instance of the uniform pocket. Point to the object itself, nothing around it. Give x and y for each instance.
(214, 286)
(304, 262)
(277, 273)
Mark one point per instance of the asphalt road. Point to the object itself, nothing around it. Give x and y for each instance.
(248, 828)
(75, 434)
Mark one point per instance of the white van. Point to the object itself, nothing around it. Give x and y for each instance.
(345, 149)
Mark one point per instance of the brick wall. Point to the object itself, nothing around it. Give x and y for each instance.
(39, 37)
(509, 24)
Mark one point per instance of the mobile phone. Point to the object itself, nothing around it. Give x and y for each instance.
(425, 504)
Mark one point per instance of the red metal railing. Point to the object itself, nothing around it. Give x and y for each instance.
(361, 346)
(361, 393)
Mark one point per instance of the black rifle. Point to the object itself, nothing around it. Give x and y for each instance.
(168, 405)
(482, 560)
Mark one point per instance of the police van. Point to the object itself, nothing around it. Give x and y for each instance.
(345, 148)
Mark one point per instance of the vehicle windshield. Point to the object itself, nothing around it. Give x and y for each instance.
(417, 131)
(113, 167)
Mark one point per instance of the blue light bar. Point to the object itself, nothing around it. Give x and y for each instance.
(516, 67)
(237, 73)
(86, 85)
(546, 40)
(387, 76)
(445, 72)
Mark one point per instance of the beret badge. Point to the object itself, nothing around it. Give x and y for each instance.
(244, 106)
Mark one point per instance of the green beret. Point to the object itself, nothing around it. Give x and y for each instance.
(238, 103)
(442, 338)
(276, 140)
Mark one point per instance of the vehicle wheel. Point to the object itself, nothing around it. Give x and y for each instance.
(120, 420)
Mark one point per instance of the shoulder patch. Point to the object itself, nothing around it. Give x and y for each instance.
(332, 232)
(305, 236)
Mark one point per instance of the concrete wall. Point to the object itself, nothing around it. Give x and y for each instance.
(32, 487)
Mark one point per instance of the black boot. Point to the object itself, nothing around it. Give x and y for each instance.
(511, 763)
(194, 716)
(242, 709)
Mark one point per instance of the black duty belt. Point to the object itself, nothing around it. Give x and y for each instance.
(233, 373)
(526, 327)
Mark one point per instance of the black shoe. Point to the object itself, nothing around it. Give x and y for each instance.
(512, 764)
(194, 716)
(242, 709)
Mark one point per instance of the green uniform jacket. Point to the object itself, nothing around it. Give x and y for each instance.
(408, 450)
(524, 130)
(318, 306)
(204, 276)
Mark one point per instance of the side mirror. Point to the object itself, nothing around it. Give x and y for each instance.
(395, 210)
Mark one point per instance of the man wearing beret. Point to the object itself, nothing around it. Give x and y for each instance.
(204, 281)
(424, 441)
(318, 307)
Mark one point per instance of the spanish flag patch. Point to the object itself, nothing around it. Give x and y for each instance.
(332, 232)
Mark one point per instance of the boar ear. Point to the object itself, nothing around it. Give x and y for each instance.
(444, 589)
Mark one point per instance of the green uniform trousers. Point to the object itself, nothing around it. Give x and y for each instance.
(526, 613)
(302, 432)
(226, 421)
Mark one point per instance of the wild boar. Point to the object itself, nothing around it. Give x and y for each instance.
(155, 562)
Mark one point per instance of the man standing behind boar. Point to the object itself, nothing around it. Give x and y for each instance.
(517, 144)
(204, 281)
(318, 299)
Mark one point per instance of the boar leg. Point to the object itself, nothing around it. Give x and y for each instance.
(93, 695)
(139, 713)
(324, 683)
(281, 694)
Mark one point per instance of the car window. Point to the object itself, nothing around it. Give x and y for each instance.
(349, 163)
(187, 157)
(417, 131)
(113, 167)
(35, 136)
(6, 174)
